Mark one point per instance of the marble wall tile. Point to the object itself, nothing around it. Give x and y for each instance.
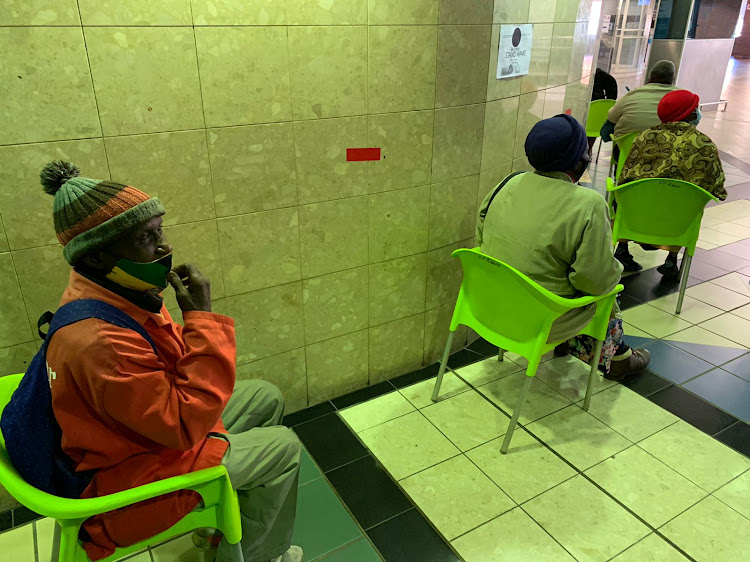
(329, 71)
(400, 12)
(567, 10)
(146, 78)
(542, 11)
(287, 371)
(541, 44)
(401, 68)
(511, 11)
(335, 304)
(444, 274)
(4, 245)
(16, 358)
(560, 54)
(244, 75)
(333, 236)
(171, 166)
(34, 264)
(45, 74)
(399, 223)
(267, 322)
(135, 12)
(39, 12)
(436, 325)
(578, 52)
(323, 172)
(219, 306)
(22, 200)
(260, 250)
(577, 98)
(453, 211)
(522, 165)
(584, 10)
(253, 168)
(457, 149)
(500, 120)
(197, 243)
(530, 110)
(554, 101)
(336, 367)
(462, 12)
(396, 348)
(463, 59)
(15, 327)
(239, 12)
(405, 140)
(328, 12)
(489, 179)
(397, 288)
(507, 87)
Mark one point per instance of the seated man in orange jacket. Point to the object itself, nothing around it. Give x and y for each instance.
(133, 416)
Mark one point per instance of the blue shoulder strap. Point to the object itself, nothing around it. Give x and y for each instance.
(78, 310)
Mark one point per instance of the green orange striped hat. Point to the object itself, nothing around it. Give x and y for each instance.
(89, 214)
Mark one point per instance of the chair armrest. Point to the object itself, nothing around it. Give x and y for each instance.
(585, 301)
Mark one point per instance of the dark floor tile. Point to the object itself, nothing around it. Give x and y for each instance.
(736, 436)
(410, 538)
(416, 376)
(637, 342)
(712, 353)
(628, 301)
(725, 390)
(308, 414)
(648, 285)
(368, 491)
(308, 470)
(739, 367)
(675, 364)
(483, 347)
(23, 515)
(330, 443)
(645, 383)
(462, 358)
(698, 413)
(362, 395)
(6, 520)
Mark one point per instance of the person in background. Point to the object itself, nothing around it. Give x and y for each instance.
(675, 149)
(134, 416)
(605, 88)
(559, 234)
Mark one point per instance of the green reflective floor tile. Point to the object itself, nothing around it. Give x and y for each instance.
(323, 524)
(308, 470)
(359, 551)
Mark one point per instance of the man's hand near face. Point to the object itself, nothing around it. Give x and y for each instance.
(193, 290)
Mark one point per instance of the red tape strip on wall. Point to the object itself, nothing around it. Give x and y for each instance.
(362, 154)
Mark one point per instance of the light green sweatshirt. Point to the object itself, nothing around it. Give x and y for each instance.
(557, 233)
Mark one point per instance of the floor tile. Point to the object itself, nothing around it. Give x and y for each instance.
(330, 442)
(182, 549)
(379, 410)
(420, 394)
(707, 345)
(629, 414)
(626, 302)
(23, 515)
(693, 310)
(742, 312)
(408, 444)
(523, 362)
(717, 238)
(463, 357)
(401, 538)
(725, 390)
(416, 376)
(368, 491)
(720, 259)
(322, 523)
(483, 347)
(487, 371)
(705, 271)
(590, 525)
(736, 436)
(6, 520)
(692, 409)
(578, 436)
(731, 327)
(674, 364)
(651, 549)
(522, 541)
(540, 401)
(711, 531)
(646, 486)
(697, 456)
(631, 331)
(18, 544)
(654, 321)
(732, 229)
(648, 285)
(456, 496)
(736, 494)
(636, 341)
(569, 376)
(360, 550)
(362, 395)
(645, 383)
(717, 296)
(308, 470)
(528, 469)
(468, 419)
(308, 414)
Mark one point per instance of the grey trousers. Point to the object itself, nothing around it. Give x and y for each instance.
(263, 464)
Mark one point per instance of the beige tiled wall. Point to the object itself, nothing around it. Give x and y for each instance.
(238, 114)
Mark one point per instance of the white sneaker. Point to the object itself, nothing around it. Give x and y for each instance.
(294, 554)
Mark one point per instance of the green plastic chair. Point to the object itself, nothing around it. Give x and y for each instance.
(624, 143)
(220, 510)
(513, 312)
(598, 111)
(661, 212)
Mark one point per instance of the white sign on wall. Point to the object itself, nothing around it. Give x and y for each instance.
(514, 53)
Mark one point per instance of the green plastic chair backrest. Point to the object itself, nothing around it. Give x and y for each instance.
(659, 211)
(624, 143)
(598, 111)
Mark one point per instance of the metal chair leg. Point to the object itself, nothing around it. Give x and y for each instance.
(237, 555)
(56, 537)
(593, 373)
(501, 355)
(516, 414)
(443, 364)
(598, 150)
(686, 262)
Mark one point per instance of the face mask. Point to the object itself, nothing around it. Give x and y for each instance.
(141, 276)
(697, 119)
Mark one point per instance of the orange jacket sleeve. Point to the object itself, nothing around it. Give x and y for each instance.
(178, 406)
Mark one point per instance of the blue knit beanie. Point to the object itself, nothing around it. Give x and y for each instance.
(556, 144)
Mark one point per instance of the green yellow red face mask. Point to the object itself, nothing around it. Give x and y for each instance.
(141, 276)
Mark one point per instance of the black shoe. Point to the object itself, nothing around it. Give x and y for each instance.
(628, 263)
(562, 350)
(669, 271)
